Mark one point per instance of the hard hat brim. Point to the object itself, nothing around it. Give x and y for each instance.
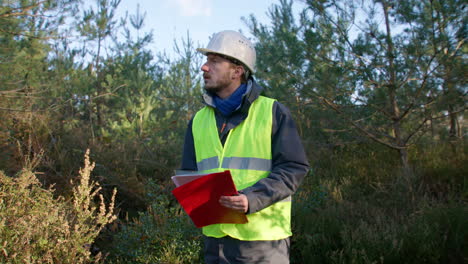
(206, 51)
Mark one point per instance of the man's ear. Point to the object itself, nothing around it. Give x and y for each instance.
(238, 70)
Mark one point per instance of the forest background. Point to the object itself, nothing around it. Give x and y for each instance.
(377, 89)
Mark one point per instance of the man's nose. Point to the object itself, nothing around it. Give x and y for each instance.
(205, 68)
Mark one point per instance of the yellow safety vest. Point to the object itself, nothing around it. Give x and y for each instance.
(247, 154)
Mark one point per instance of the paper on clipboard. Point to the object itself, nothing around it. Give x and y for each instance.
(185, 177)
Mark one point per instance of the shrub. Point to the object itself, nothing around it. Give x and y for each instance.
(162, 234)
(36, 227)
(356, 208)
(364, 232)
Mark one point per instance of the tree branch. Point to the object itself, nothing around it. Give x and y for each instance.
(21, 11)
(360, 128)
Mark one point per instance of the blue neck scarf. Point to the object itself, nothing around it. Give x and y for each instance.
(230, 104)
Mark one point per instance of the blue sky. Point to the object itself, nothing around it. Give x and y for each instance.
(171, 19)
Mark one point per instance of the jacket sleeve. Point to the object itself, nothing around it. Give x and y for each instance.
(189, 160)
(289, 164)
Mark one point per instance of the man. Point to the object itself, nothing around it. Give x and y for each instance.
(256, 139)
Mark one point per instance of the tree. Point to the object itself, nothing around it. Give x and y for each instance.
(360, 59)
(97, 26)
(26, 29)
(441, 27)
(281, 56)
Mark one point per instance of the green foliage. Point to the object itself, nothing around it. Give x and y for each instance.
(336, 67)
(357, 208)
(37, 227)
(442, 170)
(162, 234)
(380, 68)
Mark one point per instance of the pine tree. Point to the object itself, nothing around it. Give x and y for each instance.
(367, 61)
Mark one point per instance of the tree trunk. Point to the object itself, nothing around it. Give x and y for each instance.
(453, 131)
(404, 161)
(392, 86)
(98, 85)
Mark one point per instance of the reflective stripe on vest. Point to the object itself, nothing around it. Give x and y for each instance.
(236, 163)
(247, 154)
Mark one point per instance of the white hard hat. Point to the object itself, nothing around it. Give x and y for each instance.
(234, 45)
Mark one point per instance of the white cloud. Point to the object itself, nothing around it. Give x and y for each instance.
(194, 7)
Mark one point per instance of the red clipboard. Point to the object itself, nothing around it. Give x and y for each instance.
(200, 200)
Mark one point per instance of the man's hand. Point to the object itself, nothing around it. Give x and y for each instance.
(236, 202)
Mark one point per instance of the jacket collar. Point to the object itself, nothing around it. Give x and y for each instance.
(252, 93)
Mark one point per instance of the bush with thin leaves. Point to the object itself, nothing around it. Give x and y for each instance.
(36, 227)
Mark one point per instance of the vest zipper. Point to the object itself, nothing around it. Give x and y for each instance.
(222, 127)
(222, 134)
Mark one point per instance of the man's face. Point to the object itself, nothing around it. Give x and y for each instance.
(217, 73)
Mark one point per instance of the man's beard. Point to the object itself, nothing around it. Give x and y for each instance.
(213, 90)
(219, 85)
